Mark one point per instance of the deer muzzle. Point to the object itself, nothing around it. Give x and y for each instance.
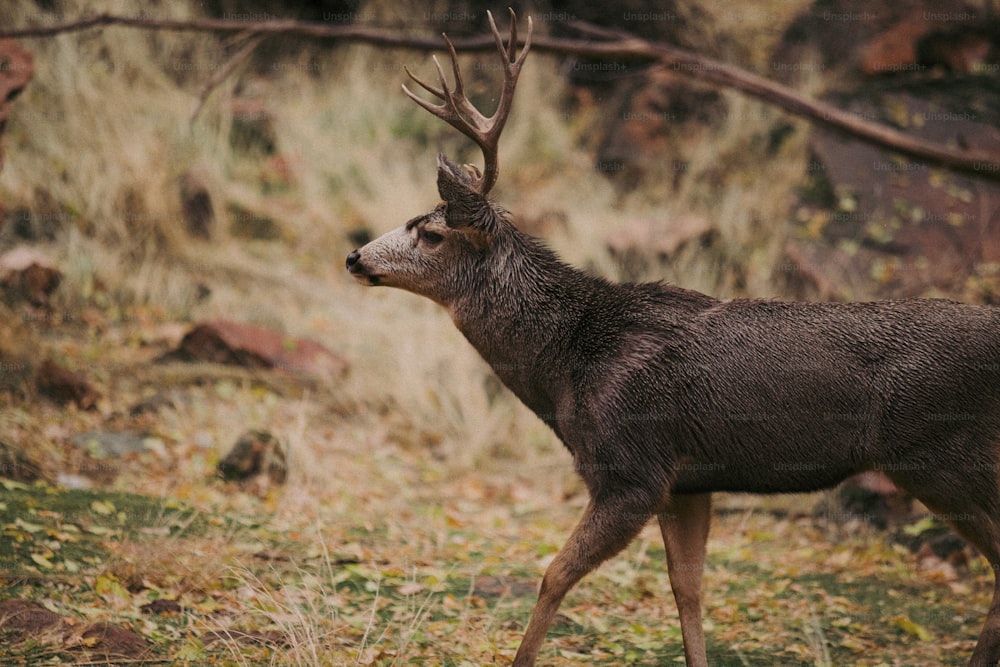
(358, 270)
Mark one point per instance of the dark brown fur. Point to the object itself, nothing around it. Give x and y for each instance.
(664, 395)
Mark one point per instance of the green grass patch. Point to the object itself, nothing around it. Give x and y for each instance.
(51, 530)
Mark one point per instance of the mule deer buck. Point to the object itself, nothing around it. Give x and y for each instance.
(664, 395)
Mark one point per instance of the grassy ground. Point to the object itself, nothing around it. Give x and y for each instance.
(422, 505)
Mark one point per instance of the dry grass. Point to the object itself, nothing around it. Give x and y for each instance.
(101, 138)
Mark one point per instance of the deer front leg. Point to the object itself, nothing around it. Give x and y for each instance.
(684, 526)
(607, 526)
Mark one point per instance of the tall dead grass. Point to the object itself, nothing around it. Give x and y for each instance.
(102, 136)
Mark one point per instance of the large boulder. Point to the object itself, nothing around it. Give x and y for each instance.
(873, 224)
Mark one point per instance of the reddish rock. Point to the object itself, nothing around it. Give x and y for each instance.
(234, 343)
(256, 453)
(873, 498)
(877, 37)
(895, 49)
(64, 386)
(113, 641)
(27, 275)
(18, 68)
(23, 617)
(971, 48)
(895, 227)
(922, 39)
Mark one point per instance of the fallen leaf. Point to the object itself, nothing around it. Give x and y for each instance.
(103, 507)
(107, 585)
(911, 627)
(28, 526)
(42, 561)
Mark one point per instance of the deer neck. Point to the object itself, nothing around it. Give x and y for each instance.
(525, 302)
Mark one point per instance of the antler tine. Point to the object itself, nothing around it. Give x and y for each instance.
(458, 111)
(510, 52)
(454, 102)
(431, 89)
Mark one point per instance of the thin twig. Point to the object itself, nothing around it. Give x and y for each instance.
(221, 74)
(974, 162)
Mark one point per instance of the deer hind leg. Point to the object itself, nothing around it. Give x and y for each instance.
(970, 502)
(607, 526)
(684, 525)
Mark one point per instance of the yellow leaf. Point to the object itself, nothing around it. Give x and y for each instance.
(42, 561)
(102, 507)
(910, 627)
(207, 606)
(852, 644)
(108, 585)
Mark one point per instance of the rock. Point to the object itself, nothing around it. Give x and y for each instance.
(895, 48)
(27, 275)
(18, 68)
(27, 618)
(871, 497)
(648, 118)
(116, 445)
(112, 641)
(256, 454)
(848, 38)
(972, 48)
(890, 227)
(234, 343)
(196, 205)
(64, 386)
(73, 481)
(30, 621)
(876, 225)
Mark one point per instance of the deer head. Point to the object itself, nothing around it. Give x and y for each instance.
(437, 254)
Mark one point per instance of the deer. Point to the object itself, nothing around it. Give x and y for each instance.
(665, 395)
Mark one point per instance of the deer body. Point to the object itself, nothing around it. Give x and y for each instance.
(749, 395)
(664, 395)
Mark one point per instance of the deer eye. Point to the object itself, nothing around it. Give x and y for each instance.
(431, 238)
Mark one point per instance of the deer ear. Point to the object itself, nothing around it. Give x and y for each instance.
(465, 206)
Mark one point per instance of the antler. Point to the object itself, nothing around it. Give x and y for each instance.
(473, 124)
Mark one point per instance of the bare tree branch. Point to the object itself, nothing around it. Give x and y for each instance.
(615, 45)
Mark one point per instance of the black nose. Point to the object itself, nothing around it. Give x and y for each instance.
(352, 259)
